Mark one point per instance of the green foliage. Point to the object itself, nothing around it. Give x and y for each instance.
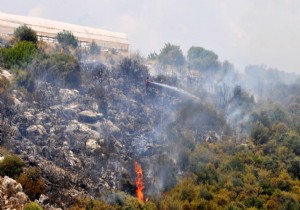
(11, 166)
(132, 69)
(171, 55)
(294, 168)
(152, 56)
(32, 183)
(254, 202)
(86, 203)
(23, 78)
(25, 33)
(202, 59)
(19, 56)
(241, 97)
(32, 206)
(94, 48)
(292, 141)
(236, 164)
(260, 134)
(58, 69)
(66, 39)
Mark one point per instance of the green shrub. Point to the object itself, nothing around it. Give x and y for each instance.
(32, 206)
(171, 55)
(85, 202)
(254, 202)
(202, 59)
(20, 55)
(294, 168)
(11, 166)
(57, 69)
(259, 133)
(94, 48)
(25, 33)
(66, 38)
(132, 69)
(32, 183)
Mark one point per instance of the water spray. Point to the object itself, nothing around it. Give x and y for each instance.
(178, 90)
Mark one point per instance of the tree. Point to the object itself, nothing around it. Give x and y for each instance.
(19, 55)
(294, 168)
(171, 55)
(25, 33)
(94, 48)
(66, 38)
(152, 56)
(202, 59)
(259, 133)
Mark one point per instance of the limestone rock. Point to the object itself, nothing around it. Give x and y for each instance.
(92, 144)
(89, 116)
(10, 186)
(67, 95)
(36, 130)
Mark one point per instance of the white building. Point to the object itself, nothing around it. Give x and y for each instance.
(48, 29)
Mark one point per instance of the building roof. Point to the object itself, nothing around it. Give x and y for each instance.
(50, 28)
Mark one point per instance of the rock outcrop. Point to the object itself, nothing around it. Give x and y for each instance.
(11, 194)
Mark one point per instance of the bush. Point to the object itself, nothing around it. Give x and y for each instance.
(292, 141)
(94, 49)
(259, 133)
(32, 206)
(20, 55)
(66, 38)
(25, 33)
(11, 166)
(85, 202)
(132, 69)
(32, 183)
(202, 59)
(57, 69)
(294, 168)
(171, 55)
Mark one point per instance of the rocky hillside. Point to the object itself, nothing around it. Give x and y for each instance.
(86, 140)
(74, 134)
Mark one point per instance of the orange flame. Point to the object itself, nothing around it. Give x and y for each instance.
(139, 181)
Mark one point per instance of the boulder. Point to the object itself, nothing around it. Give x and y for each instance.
(67, 95)
(92, 144)
(11, 186)
(34, 130)
(89, 116)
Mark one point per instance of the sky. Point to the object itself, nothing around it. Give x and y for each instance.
(244, 32)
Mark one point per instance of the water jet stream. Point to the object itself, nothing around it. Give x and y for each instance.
(176, 90)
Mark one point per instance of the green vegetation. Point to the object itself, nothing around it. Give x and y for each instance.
(11, 166)
(32, 206)
(67, 39)
(202, 59)
(32, 183)
(84, 203)
(20, 55)
(171, 55)
(94, 48)
(132, 69)
(25, 33)
(258, 168)
(58, 68)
